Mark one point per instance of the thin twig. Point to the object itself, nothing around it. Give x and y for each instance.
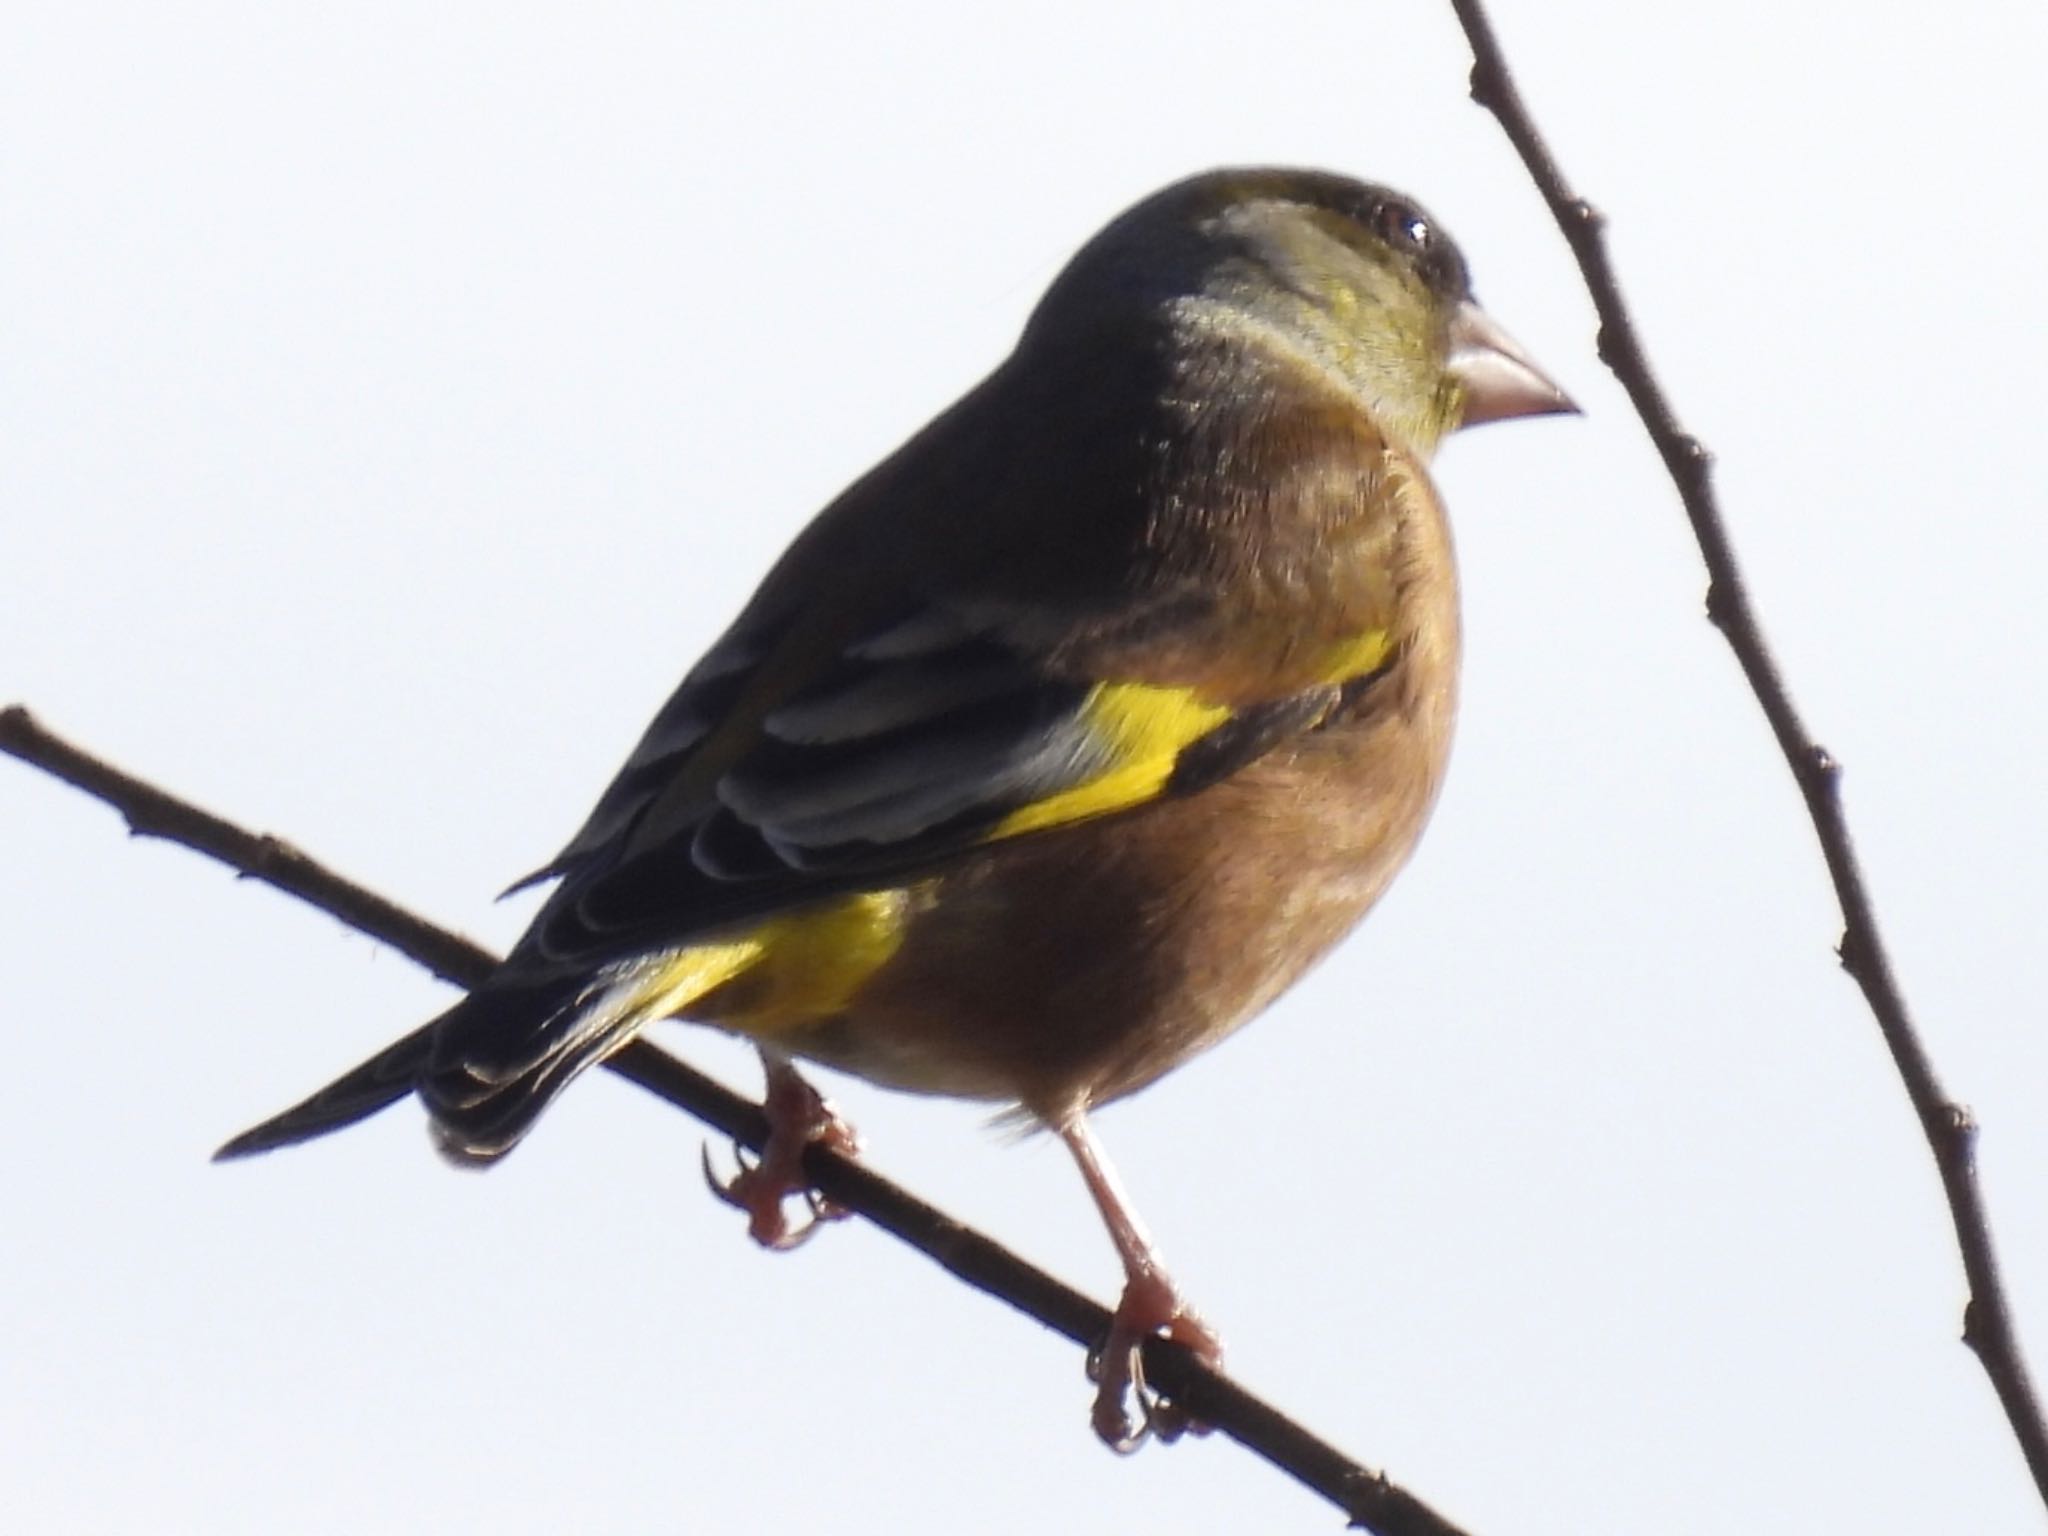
(1950, 1129)
(1368, 1500)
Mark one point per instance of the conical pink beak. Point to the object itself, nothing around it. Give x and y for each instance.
(1501, 381)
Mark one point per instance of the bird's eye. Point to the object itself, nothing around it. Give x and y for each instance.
(1404, 228)
(1408, 230)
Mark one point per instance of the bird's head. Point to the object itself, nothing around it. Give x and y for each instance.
(1352, 279)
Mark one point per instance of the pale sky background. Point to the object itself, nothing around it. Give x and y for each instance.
(394, 399)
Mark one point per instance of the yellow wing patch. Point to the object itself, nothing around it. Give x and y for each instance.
(1354, 657)
(1144, 729)
(786, 970)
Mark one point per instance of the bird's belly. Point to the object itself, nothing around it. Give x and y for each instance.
(1063, 970)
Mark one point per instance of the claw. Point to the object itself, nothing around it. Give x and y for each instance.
(1113, 1425)
(797, 1117)
(785, 1236)
(716, 1182)
(1165, 1419)
(760, 1196)
(1117, 1367)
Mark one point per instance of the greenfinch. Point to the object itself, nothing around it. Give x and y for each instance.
(1063, 741)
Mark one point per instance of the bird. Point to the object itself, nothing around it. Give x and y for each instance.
(1058, 745)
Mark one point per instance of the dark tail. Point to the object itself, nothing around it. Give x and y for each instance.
(377, 1084)
(485, 1070)
(497, 1063)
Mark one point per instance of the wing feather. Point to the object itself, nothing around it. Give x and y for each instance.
(919, 736)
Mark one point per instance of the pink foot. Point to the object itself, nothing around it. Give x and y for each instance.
(1150, 1305)
(797, 1116)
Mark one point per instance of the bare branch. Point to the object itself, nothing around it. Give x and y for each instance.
(1948, 1126)
(1368, 1500)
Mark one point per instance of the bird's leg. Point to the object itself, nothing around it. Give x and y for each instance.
(1150, 1304)
(798, 1115)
